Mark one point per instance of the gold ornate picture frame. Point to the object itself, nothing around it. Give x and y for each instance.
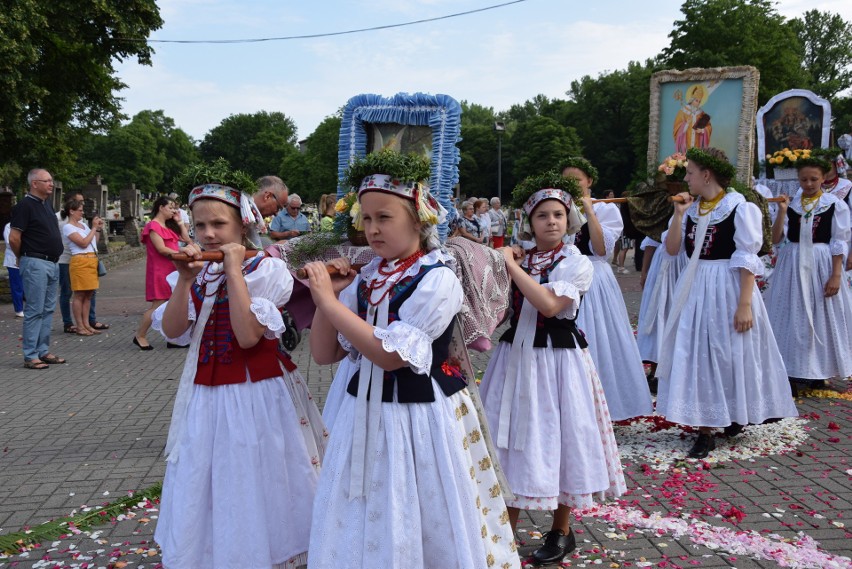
(704, 107)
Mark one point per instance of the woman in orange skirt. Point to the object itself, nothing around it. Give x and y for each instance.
(83, 269)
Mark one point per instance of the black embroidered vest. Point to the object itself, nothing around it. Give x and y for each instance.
(412, 387)
(582, 240)
(821, 225)
(563, 332)
(718, 241)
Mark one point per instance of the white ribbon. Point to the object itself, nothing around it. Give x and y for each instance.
(519, 373)
(806, 264)
(683, 290)
(368, 413)
(187, 378)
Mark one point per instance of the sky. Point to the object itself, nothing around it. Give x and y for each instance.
(494, 58)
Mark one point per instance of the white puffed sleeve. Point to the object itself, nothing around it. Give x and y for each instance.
(157, 316)
(648, 242)
(349, 298)
(572, 278)
(840, 231)
(269, 287)
(609, 216)
(423, 317)
(748, 238)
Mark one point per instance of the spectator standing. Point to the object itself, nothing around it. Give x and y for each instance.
(65, 278)
(270, 197)
(10, 261)
(37, 243)
(499, 223)
(290, 222)
(160, 236)
(83, 268)
(480, 210)
(328, 212)
(469, 226)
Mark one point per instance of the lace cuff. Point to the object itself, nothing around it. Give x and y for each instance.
(268, 316)
(157, 324)
(838, 247)
(412, 344)
(747, 261)
(609, 242)
(562, 288)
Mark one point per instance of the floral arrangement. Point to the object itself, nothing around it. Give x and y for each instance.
(786, 158)
(347, 208)
(674, 167)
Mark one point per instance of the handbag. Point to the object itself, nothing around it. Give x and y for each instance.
(101, 268)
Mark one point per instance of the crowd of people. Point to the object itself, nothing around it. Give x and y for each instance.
(400, 468)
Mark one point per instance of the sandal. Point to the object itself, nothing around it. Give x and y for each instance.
(51, 359)
(99, 325)
(85, 333)
(35, 364)
(70, 329)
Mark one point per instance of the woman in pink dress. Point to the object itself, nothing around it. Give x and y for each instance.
(160, 236)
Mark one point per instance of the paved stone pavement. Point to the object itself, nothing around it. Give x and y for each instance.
(88, 432)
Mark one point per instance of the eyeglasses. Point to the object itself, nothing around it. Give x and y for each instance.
(48, 181)
(277, 199)
(294, 207)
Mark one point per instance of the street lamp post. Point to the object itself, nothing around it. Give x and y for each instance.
(499, 128)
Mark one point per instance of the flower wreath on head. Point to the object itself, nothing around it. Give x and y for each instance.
(403, 175)
(721, 167)
(814, 161)
(581, 164)
(834, 157)
(533, 190)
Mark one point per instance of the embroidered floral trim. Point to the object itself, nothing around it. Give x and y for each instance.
(269, 316)
(344, 343)
(412, 344)
(838, 247)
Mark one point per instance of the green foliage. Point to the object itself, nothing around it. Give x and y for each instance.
(718, 33)
(255, 143)
(539, 143)
(312, 246)
(14, 543)
(149, 152)
(57, 61)
(610, 115)
(215, 172)
(826, 52)
(409, 167)
(313, 172)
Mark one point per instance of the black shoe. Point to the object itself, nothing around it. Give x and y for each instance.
(703, 445)
(817, 384)
(733, 430)
(141, 347)
(556, 546)
(175, 346)
(652, 385)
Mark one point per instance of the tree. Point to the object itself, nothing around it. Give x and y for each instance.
(610, 114)
(57, 62)
(149, 151)
(313, 172)
(720, 33)
(826, 52)
(254, 143)
(538, 144)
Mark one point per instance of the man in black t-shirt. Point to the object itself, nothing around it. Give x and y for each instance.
(36, 241)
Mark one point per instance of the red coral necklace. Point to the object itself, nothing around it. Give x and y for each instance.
(384, 276)
(538, 262)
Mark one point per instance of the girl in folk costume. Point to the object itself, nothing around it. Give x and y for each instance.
(541, 393)
(722, 367)
(603, 316)
(407, 479)
(841, 188)
(657, 296)
(246, 440)
(809, 306)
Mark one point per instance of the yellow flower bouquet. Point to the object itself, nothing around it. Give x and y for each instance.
(786, 158)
